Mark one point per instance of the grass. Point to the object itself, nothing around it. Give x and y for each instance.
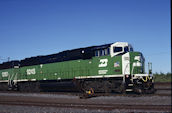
(161, 77)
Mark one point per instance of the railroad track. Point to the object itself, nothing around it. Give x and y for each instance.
(89, 106)
(83, 96)
(159, 92)
(116, 101)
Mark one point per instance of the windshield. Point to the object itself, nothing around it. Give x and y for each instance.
(131, 49)
(126, 49)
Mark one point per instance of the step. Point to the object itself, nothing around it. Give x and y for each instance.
(129, 90)
(130, 84)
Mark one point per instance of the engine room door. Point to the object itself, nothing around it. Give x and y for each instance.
(13, 77)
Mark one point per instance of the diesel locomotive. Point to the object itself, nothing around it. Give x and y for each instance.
(113, 67)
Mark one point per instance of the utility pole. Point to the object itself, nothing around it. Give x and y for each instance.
(8, 59)
(4, 59)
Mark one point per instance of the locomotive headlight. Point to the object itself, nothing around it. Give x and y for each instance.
(137, 64)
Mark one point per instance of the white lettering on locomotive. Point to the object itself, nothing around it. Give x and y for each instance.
(4, 74)
(103, 71)
(31, 71)
(103, 62)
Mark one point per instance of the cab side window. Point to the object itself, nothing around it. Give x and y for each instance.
(96, 53)
(102, 52)
(108, 51)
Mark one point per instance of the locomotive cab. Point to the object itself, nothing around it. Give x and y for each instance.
(120, 48)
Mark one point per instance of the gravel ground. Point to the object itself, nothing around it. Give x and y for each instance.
(163, 85)
(68, 98)
(163, 92)
(33, 109)
(123, 100)
(136, 100)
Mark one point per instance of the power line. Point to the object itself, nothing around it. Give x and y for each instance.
(159, 53)
(5, 59)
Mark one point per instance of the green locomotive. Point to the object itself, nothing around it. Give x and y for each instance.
(111, 67)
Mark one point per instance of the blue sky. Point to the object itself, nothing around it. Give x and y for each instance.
(40, 27)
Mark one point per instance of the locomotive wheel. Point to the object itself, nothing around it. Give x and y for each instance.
(87, 87)
(97, 86)
(29, 87)
(122, 88)
(144, 88)
(147, 85)
(107, 87)
(138, 88)
(3, 86)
